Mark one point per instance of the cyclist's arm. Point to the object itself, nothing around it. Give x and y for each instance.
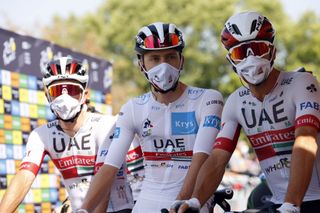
(99, 187)
(302, 160)
(103, 204)
(17, 190)
(307, 125)
(197, 160)
(210, 175)
(210, 117)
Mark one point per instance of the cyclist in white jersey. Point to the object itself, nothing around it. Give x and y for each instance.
(76, 142)
(176, 124)
(278, 111)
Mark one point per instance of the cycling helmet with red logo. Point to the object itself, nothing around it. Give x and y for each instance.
(65, 68)
(159, 36)
(246, 26)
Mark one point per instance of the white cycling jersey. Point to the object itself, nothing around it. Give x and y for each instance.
(270, 127)
(168, 135)
(75, 157)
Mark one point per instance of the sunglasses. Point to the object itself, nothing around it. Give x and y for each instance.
(243, 50)
(65, 88)
(153, 42)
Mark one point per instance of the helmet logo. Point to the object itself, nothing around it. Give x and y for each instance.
(233, 29)
(259, 23)
(156, 78)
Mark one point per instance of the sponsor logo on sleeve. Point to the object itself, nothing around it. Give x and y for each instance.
(311, 88)
(212, 121)
(309, 104)
(116, 132)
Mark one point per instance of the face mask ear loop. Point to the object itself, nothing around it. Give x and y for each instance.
(232, 63)
(142, 67)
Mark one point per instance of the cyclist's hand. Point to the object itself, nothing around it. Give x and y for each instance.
(191, 205)
(176, 205)
(288, 208)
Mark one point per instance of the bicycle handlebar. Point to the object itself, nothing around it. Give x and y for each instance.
(219, 198)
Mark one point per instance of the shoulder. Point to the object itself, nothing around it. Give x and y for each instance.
(240, 93)
(42, 132)
(195, 93)
(141, 100)
(298, 79)
(102, 119)
(46, 127)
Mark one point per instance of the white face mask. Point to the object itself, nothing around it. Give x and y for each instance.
(254, 69)
(65, 106)
(163, 76)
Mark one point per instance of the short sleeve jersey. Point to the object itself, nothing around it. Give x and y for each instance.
(168, 135)
(74, 157)
(270, 127)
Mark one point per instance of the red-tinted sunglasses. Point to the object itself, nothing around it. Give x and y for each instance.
(65, 88)
(243, 50)
(153, 42)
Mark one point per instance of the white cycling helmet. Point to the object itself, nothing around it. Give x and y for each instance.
(158, 36)
(246, 26)
(65, 68)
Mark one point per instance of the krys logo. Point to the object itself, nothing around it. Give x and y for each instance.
(184, 123)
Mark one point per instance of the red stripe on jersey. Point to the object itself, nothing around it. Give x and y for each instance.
(308, 120)
(32, 167)
(158, 156)
(265, 152)
(134, 154)
(227, 144)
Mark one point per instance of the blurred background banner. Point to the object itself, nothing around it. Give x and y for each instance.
(23, 107)
(28, 55)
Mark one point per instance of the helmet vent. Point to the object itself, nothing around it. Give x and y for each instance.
(253, 26)
(236, 29)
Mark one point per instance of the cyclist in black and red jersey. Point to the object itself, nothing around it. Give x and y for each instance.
(278, 111)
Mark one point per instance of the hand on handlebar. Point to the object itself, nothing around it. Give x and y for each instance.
(288, 207)
(190, 206)
(176, 205)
